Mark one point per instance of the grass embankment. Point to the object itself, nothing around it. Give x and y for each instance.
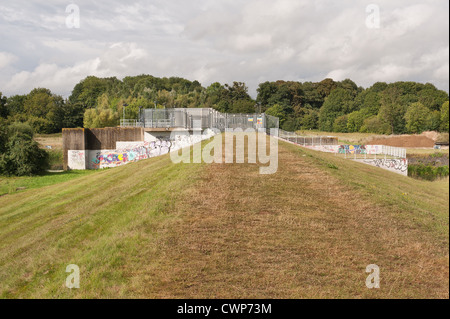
(11, 185)
(158, 230)
(344, 138)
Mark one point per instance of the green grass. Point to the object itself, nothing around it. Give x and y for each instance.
(11, 185)
(103, 221)
(429, 151)
(154, 229)
(56, 160)
(424, 202)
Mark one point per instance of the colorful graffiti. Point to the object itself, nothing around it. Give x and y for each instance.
(107, 159)
(349, 149)
(352, 149)
(129, 152)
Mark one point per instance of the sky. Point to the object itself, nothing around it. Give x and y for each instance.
(56, 44)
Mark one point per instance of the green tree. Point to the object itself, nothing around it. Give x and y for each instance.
(373, 124)
(355, 121)
(4, 112)
(310, 120)
(433, 121)
(290, 125)
(392, 112)
(337, 104)
(277, 111)
(340, 124)
(444, 117)
(100, 118)
(416, 118)
(44, 110)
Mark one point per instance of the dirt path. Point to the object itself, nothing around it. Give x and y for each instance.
(243, 235)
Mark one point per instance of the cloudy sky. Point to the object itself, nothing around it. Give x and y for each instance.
(253, 41)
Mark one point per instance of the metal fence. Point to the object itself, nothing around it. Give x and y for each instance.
(203, 118)
(394, 151)
(330, 144)
(308, 140)
(130, 123)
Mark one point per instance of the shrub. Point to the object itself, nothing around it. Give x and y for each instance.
(427, 172)
(21, 128)
(21, 155)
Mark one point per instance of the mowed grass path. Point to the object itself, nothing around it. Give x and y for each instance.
(158, 230)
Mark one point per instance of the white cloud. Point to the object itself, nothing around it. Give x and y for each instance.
(226, 40)
(6, 59)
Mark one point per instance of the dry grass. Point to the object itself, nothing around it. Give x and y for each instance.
(53, 140)
(344, 138)
(158, 230)
(297, 234)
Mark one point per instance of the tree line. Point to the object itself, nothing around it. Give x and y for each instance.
(394, 108)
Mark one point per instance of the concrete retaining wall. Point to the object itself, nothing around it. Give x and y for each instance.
(399, 166)
(112, 153)
(349, 149)
(73, 140)
(78, 142)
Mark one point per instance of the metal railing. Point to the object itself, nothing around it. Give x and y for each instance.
(130, 123)
(394, 151)
(308, 140)
(200, 118)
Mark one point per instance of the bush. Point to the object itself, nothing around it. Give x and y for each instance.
(291, 125)
(41, 125)
(427, 172)
(22, 155)
(21, 128)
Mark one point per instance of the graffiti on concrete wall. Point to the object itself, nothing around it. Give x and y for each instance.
(399, 166)
(374, 149)
(352, 149)
(76, 160)
(349, 149)
(135, 152)
(129, 152)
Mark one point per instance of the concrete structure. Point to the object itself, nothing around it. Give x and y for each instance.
(385, 157)
(78, 142)
(155, 133)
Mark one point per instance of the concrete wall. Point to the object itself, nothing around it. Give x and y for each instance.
(349, 149)
(129, 152)
(73, 140)
(112, 147)
(106, 138)
(399, 166)
(78, 142)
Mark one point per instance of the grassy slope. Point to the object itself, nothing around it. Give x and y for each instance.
(10, 185)
(102, 222)
(154, 229)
